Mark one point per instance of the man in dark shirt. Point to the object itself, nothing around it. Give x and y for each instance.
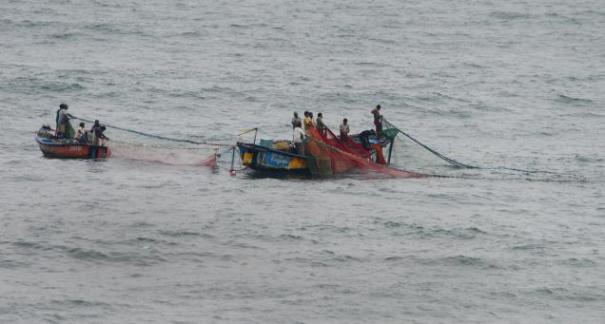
(377, 120)
(321, 127)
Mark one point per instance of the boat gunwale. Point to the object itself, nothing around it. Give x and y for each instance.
(264, 148)
(55, 144)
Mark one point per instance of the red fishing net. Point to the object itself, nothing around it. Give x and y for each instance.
(331, 155)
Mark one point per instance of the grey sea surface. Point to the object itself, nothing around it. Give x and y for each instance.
(150, 236)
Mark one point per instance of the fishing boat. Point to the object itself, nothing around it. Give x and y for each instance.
(68, 148)
(279, 157)
(273, 157)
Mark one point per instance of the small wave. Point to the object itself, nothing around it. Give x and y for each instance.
(579, 263)
(61, 86)
(529, 247)
(460, 233)
(577, 294)
(141, 224)
(588, 159)
(584, 115)
(382, 41)
(86, 254)
(30, 245)
(509, 15)
(573, 100)
(94, 255)
(191, 34)
(66, 36)
(370, 64)
(463, 260)
(81, 303)
(290, 237)
(182, 233)
(104, 28)
(186, 94)
(394, 258)
(12, 264)
(29, 23)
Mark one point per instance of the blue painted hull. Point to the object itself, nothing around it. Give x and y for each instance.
(270, 160)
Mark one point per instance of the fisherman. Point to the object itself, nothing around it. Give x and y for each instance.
(295, 120)
(101, 138)
(312, 120)
(305, 119)
(64, 128)
(80, 132)
(95, 125)
(321, 127)
(298, 139)
(377, 120)
(308, 122)
(57, 118)
(97, 133)
(344, 129)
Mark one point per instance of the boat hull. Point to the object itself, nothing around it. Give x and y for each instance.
(59, 149)
(270, 160)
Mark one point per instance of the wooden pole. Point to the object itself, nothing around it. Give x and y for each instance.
(390, 151)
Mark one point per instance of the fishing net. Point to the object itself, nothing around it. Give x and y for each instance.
(331, 155)
(140, 146)
(177, 156)
(406, 152)
(409, 153)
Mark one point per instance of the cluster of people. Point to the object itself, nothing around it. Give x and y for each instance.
(308, 122)
(64, 130)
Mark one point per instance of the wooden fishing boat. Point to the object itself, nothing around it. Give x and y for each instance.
(68, 148)
(278, 157)
(269, 157)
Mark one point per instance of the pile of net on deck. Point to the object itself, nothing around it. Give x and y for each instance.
(332, 155)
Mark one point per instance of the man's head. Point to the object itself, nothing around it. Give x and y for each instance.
(63, 106)
(345, 121)
(295, 114)
(82, 124)
(320, 115)
(378, 107)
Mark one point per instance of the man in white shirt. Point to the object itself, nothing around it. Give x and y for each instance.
(344, 129)
(298, 140)
(80, 132)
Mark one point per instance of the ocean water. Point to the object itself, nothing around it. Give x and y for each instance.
(150, 236)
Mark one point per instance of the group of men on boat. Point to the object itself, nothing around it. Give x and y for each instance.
(65, 131)
(309, 122)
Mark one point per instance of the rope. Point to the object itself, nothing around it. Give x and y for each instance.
(179, 140)
(459, 164)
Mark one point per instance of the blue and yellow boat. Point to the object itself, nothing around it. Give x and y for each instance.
(279, 157)
(273, 157)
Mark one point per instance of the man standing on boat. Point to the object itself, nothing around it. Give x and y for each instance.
(344, 129)
(64, 128)
(61, 107)
(295, 120)
(377, 120)
(309, 122)
(321, 127)
(298, 139)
